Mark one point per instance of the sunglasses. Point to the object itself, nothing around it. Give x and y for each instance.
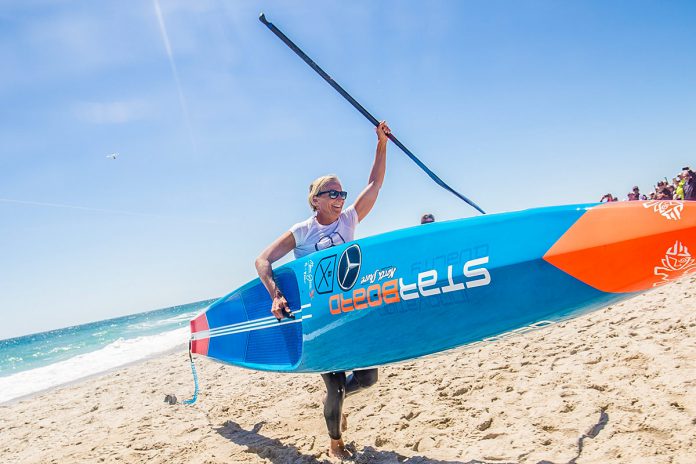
(333, 194)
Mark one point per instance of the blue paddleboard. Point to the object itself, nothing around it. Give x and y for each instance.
(432, 287)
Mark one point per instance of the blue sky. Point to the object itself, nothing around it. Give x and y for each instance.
(220, 128)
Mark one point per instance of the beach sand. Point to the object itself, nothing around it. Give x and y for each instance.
(615, 386)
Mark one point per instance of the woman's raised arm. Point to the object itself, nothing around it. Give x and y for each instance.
(366, 199)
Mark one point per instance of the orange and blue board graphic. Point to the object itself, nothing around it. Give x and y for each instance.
(615, 246)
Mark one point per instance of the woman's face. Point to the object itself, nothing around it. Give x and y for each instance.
(327, 207)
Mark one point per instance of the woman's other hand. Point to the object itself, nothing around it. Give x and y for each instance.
(280, 307)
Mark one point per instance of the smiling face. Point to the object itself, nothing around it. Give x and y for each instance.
(328, 209)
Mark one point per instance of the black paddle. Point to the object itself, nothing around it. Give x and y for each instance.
(363, 111)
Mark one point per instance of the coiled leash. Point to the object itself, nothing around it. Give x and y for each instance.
(171, 399)
(193, 399)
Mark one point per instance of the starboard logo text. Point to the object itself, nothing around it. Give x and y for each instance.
(426, 284)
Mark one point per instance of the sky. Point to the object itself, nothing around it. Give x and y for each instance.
(220, 128)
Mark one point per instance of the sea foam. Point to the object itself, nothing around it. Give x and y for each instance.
(115, 354)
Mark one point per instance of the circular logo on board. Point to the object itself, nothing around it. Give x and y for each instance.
(349, 267)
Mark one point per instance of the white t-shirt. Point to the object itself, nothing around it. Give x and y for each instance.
(310, 236)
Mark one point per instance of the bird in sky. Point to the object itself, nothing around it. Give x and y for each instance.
(112, 156)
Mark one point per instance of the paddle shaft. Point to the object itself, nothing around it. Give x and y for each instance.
(363, 111)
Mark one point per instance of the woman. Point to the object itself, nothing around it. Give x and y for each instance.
(330, 225)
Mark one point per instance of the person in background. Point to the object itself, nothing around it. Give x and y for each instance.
(662, 191)
(679, 187)
(608, 197)
(635, 194)
(689, 184)
(427, 218)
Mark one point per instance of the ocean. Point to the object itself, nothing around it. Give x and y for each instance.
(36, 362)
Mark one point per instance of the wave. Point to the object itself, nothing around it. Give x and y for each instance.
(115, 354)
(157, 323)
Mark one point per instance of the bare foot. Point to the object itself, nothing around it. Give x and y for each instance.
(338, 450)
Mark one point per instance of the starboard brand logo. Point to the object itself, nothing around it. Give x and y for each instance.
(677, 263)
(669, 209)
(324, 275)
(349, 267)
(427, 282)
(396, 290)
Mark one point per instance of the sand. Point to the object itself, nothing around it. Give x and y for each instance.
(615, 386)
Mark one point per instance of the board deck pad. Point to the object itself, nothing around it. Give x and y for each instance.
(246, 332)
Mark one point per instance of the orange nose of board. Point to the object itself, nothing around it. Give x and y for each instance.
(629, 246)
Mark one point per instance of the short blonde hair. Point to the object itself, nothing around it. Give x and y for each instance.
(317, 185)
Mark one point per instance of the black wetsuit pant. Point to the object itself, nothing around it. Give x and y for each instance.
(338, 386)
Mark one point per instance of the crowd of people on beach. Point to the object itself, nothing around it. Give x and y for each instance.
(682, 187)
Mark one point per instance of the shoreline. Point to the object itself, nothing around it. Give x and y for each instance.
(613, 386)
(91, 376)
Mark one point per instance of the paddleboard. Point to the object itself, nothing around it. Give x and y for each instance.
(429, 288)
